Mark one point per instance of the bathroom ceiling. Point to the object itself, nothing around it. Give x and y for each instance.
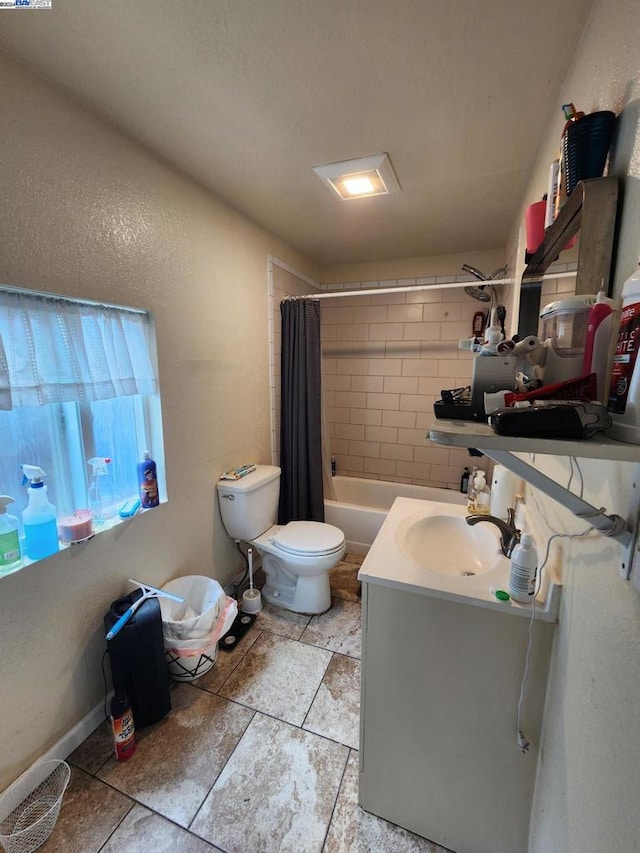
(246, 96)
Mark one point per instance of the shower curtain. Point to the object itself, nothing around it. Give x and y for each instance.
(301, 491)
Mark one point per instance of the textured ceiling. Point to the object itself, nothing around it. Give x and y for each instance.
(247, 96)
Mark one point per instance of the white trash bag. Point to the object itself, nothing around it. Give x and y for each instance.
(191, 629)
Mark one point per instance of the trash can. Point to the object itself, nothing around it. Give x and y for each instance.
(191, 629)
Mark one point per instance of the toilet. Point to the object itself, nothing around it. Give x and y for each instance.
(296, 557)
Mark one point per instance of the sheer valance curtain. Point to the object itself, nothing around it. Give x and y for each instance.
(57, 350)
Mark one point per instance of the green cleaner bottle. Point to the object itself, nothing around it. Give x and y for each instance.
(10, 556)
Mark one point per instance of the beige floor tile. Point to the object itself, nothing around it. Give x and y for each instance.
(344, 582)
(356, 831)
(354, 558)
(276, 793)
(338, 629)
(178, 759)
(279, 677)
(142, 830)
(90, 812)
(95, 750)
(226, 662)
(335, 712)
(281, 621)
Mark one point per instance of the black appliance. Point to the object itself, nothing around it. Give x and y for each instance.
(138, 662)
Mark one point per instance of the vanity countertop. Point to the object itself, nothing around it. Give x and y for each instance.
(390, 562)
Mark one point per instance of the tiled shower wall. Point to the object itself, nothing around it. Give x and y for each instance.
(386, 359)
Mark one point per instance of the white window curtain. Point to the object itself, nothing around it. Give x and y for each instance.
(57, 350)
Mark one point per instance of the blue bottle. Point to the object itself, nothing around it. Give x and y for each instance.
(148, 482)
(39, 517)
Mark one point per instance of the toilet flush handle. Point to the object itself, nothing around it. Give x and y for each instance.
(229, 497)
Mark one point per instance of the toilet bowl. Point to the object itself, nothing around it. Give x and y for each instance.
(296, 557)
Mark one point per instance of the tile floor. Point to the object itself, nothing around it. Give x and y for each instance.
(258, 755)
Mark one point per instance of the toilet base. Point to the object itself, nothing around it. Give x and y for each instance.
(309, 595)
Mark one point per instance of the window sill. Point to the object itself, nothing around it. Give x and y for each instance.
(101, 527)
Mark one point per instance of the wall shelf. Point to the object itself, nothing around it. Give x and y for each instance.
(480, 435)
(502, 449)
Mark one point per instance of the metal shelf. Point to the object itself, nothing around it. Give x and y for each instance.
(474, 434)
(502, 448)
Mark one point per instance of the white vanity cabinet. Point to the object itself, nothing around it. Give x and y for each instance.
(440, 687)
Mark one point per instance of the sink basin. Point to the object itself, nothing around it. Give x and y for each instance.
(448, 545)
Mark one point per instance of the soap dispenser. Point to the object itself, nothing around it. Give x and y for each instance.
(482, 493)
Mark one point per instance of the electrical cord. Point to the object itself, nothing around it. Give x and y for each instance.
(106, 689)
(521, 739)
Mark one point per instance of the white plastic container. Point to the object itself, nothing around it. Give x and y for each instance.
(564, 330)
(624, 391)
(524, 570)
(505, 485)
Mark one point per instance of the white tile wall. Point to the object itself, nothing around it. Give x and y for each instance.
(381, 402)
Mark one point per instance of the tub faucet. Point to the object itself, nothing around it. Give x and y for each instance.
(509, 533)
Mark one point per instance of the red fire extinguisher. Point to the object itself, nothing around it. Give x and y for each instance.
(122, 726)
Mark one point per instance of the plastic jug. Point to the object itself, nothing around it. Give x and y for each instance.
(39, 517)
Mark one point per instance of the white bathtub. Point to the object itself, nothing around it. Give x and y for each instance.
(362, 505)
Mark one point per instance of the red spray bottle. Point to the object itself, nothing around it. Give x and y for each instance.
(122, 726)
(600, 343)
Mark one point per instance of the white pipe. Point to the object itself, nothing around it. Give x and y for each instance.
(414, 287)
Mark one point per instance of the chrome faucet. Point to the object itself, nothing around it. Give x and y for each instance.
(509, 533)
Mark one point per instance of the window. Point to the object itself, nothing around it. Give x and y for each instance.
(78, 381)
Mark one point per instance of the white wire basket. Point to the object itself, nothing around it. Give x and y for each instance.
(29, 807)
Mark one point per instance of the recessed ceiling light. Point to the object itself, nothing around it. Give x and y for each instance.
(360, 178)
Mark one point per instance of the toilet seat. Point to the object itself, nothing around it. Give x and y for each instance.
(308, 539)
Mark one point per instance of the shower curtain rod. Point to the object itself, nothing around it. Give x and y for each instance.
(413, 287)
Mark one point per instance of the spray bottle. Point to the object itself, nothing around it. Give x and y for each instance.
(600, 343)
(39, 518)
(10, 557)
(122, 726)
(101, 497)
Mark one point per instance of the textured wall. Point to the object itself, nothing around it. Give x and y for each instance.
(88, 213)
(587, 794)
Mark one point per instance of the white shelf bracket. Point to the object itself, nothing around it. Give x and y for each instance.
(613, 526)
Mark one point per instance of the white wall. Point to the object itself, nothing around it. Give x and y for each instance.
(588, 794)
(86, 212)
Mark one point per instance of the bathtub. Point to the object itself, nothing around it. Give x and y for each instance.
(362, 505)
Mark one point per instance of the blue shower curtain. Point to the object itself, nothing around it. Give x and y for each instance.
(301, 492)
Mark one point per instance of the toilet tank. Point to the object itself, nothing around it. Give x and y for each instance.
(249, 506)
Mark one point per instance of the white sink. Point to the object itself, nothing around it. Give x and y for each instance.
(428, 548)
(448, 545)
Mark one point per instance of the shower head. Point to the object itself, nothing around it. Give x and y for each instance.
(476, 273)
(478, 293)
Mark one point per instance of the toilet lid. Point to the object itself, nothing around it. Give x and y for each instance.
(308, 538)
